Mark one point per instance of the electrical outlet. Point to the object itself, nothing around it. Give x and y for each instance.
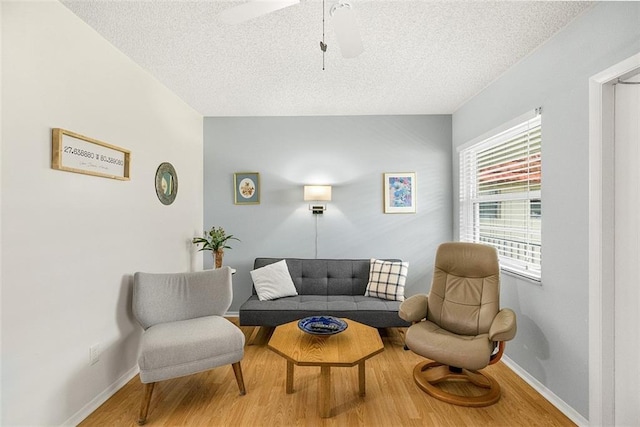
(94, 354)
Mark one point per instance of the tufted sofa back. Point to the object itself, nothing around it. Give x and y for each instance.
(325, 276)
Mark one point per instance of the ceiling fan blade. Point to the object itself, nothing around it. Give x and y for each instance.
(347, 34)
(253, 9)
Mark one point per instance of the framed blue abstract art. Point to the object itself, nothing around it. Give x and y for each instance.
(400, 192)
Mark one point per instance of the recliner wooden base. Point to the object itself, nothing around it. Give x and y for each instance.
(426, 374)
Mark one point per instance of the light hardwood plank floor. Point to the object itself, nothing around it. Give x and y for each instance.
(392, 398)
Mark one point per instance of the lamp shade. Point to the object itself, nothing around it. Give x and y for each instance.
(346, 29)
(317, 193)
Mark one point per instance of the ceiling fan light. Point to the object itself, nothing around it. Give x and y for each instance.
(253, 9)
(346, 29)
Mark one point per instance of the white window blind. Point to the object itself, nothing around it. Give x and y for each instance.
(500, 197)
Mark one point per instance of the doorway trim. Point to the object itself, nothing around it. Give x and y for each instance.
(601, 241)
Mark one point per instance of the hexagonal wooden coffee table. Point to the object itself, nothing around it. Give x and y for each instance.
(346, 349)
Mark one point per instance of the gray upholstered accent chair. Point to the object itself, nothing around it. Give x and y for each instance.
(460, 325)
(184, 331)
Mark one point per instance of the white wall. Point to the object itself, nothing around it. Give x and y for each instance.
(552, 339)
(70, 242)
(350, 153)
(1, 352)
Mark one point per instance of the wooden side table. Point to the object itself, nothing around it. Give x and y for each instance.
(349, 348)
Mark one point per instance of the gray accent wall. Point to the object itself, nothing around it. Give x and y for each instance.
(349, 153)
(552, 340)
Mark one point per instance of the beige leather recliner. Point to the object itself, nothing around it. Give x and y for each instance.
(459, 325)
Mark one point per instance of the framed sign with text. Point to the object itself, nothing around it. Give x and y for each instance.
(73, 152)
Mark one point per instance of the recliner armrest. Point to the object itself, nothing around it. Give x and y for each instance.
(414, 308)
(503, 327)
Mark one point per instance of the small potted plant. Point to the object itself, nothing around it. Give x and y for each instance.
(215, 240)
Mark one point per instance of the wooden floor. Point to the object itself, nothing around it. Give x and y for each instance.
(392, 398)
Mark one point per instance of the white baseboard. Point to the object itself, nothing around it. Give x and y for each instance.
(88, 409)
(232, 314)
(546, 393)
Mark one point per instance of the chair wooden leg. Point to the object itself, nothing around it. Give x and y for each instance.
(146, 399)
(237, 369)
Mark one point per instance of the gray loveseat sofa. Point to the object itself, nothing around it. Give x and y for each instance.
(333, 287)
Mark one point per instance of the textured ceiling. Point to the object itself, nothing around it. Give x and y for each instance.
(421, 57)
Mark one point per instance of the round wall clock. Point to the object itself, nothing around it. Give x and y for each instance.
(166, 183)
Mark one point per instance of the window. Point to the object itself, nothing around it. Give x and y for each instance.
(500, 197)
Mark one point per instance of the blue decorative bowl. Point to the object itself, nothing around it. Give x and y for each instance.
(322, 325)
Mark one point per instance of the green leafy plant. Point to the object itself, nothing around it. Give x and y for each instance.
(214, 240)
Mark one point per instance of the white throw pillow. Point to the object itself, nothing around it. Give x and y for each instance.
(387, 279)
(273, 281)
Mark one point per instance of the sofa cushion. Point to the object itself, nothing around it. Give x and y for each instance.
(273, 281)
(371, 311)
(387, 279)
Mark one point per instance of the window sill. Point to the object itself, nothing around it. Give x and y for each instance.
(522, 277)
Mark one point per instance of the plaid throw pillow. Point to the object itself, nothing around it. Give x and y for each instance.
(386, 279)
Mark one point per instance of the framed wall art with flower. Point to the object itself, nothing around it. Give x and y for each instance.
(246, 188)
(399, 192)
